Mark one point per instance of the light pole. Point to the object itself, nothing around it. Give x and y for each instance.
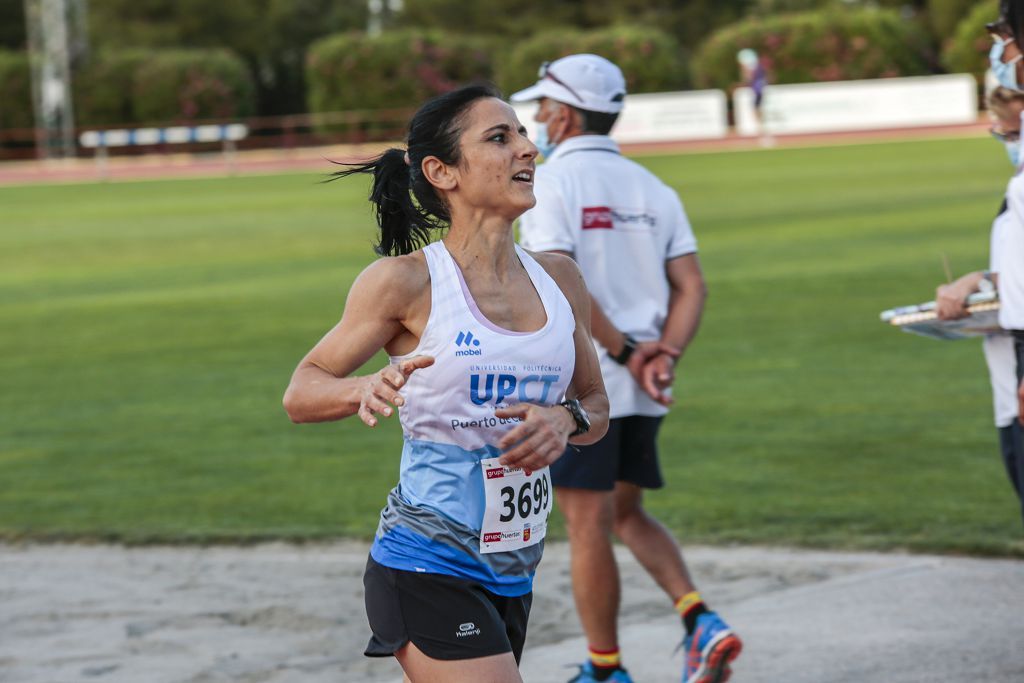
(50, 46)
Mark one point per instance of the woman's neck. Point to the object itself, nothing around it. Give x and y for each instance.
(483, 247)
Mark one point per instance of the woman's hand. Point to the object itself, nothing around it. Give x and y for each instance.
(382, 388)
(539, 439)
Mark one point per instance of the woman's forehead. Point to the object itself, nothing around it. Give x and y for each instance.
(490, 111)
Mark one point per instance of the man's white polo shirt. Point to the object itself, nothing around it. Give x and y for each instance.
(621, 224)
(1011, 260)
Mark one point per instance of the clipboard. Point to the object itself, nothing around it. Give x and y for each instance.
(922, 319)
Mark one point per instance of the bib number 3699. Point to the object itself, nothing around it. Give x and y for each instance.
(517, 507)
(529, 498)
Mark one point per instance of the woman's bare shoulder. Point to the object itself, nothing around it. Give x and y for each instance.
(563, 270)
(393, 283)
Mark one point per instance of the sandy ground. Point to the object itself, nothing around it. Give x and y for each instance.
(278, 613)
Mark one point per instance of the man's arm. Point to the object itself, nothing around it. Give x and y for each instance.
(686, 301)
(686, 305)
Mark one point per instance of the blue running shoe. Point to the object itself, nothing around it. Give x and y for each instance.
(586, 675)
(709, 649)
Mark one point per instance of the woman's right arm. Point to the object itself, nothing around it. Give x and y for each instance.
(376, 312)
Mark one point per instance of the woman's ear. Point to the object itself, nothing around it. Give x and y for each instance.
(439, 174)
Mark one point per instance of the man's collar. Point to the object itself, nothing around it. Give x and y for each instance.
(581, 142)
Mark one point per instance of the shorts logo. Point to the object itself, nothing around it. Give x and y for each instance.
(466, 339)
(467, 629)
(597, 218)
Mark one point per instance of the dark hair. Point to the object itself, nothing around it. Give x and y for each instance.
(1012, 11)
(597, 122)
(407, 206)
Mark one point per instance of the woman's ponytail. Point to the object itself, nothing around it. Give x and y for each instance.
(404, 226)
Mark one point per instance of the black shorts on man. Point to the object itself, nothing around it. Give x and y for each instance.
(446, 617)
(628, 452)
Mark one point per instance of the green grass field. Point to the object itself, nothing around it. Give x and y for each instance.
(149, 330)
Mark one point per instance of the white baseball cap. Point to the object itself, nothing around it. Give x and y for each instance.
(587, 82)
(747, 57)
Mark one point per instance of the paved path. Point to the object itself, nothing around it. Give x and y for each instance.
(293, 614)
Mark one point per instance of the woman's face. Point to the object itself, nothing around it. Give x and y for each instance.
(495, 173)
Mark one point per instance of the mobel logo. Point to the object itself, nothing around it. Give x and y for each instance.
(468, 345)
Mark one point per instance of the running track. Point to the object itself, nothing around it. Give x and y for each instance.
(313, 159)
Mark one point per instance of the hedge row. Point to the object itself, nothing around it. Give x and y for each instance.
(15, 91)
(395, 69)
(135, 87)
(829, 45)
(399, 69)
(651, 60)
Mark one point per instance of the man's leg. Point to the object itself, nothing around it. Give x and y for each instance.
(710, 645)
(650, 542)
(1011, 442)
(595, 576)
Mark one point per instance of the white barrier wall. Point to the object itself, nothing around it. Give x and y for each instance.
(659, 117)
(859, 105)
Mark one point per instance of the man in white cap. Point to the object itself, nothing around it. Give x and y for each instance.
(630, 236)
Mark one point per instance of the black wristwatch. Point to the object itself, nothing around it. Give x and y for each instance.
(575, 409)
(628, 346)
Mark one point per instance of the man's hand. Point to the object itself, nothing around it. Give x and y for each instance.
(951, 299)
(382, 388)
(657, 377)
(1020, 403)
(641, 356)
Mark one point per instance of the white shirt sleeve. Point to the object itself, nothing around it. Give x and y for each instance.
(548, 226)
(681, 238)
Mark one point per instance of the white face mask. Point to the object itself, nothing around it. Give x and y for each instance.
(544, 144)
(1005, 72)
(1013, 151)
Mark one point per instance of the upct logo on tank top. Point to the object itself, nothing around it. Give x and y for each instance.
(499, 385)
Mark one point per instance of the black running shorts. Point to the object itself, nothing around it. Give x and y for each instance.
(628, 452)
(444, 616)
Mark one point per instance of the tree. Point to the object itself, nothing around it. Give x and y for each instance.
(689, 22)
(270, 35)
(12, 24)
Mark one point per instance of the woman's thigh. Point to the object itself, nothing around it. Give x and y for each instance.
(419, 668)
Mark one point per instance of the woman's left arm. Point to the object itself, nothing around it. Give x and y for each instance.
(545, 430)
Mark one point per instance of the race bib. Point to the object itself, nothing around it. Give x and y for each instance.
(517, 509)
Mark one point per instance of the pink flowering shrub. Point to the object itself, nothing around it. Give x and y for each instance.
(396, 69)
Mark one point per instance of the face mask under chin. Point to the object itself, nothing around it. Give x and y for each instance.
(1013, 152)
(1005, 72)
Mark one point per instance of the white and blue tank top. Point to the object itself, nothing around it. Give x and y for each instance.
(433, 518)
